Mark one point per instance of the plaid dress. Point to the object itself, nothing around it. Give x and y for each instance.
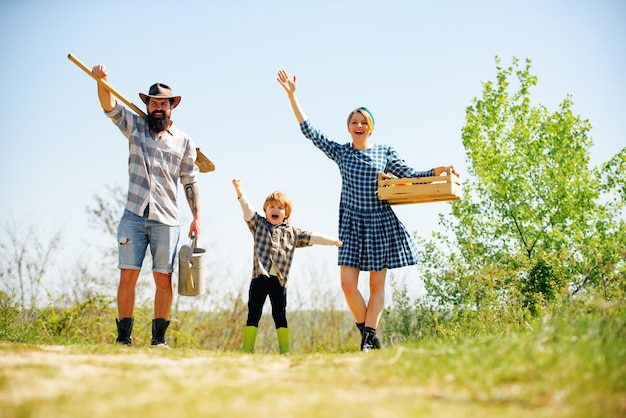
(373, 237)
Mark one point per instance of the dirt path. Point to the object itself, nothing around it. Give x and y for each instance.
(105, 381)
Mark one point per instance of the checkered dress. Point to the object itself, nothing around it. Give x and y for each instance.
(373, 237)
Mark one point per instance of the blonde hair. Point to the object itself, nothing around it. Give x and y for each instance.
(366, 114)
(282, 199)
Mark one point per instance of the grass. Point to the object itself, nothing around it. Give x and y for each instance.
(562, 367)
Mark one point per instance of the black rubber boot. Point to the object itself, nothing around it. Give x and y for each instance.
(159, 326)
(367, 341)
(124, 331)
(376, 343)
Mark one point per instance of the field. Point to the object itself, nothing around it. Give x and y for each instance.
(554, 371)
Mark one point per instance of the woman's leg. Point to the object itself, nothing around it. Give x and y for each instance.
(376, 302)
(354, 299)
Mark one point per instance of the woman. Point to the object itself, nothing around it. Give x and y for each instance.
(373, 237)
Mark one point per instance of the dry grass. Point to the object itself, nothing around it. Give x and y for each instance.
(104, 380)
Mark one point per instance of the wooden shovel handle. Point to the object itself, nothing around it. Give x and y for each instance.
(107, 86)
(202, 161)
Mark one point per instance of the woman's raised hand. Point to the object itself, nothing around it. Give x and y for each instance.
(288, 85)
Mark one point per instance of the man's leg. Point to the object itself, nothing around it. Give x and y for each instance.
(163, 295)
(163, 244)
(125, 305)
(126, 292)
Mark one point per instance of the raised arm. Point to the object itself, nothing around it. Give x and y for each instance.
(246, 207)
(237, 186)
(290, 88)
(107, 100)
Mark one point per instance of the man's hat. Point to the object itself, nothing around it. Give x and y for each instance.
(160, 91)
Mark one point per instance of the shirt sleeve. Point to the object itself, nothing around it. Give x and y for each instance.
(397, 166)
(331, 148)
(189, 170)
(320, 239)
(246, 208)
(125, 120)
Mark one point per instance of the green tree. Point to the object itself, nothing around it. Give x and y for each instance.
(535, 219)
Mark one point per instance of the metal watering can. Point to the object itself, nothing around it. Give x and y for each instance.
(191, 269)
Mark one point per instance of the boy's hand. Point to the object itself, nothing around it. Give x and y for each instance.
(237, 185)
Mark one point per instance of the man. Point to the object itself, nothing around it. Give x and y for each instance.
(160, 156)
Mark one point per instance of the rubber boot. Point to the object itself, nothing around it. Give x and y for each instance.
(249, 337)
(284, 344)
(159, 326)
(376, 343)
(124, 331)
(367, 344)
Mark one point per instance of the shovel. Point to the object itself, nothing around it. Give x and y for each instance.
(204, 164)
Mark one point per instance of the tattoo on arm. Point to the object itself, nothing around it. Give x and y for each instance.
(190, 192)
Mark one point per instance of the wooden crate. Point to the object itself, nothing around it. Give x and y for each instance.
(399, 191)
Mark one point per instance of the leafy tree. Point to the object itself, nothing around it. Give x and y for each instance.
(535, 219)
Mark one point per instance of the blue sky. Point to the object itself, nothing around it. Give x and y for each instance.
(416, 64)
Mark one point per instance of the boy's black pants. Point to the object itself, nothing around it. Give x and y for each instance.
(260, 288)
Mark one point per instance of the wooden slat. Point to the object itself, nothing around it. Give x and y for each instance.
(419, 189)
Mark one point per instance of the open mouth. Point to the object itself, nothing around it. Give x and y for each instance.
(275, 217)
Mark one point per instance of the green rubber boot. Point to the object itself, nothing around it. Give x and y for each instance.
(284, 344)
(249, 337)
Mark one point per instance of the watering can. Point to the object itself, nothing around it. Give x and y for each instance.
(191, 269)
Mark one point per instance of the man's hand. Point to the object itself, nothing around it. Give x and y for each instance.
(194, 229)
(100, 71)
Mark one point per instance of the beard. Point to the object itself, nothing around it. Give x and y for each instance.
(158, 123)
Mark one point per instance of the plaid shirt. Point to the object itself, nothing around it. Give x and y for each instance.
(154, 166)
(274, 245)
(359, 169)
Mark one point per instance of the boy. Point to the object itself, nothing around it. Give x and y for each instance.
(274, 243)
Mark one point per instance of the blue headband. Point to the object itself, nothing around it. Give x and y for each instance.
(369, 112)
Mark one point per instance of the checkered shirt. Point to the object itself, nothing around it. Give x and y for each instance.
(275, 244)
(155, 165)
(373, 237)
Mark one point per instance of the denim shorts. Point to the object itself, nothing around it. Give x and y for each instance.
(134, 235)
